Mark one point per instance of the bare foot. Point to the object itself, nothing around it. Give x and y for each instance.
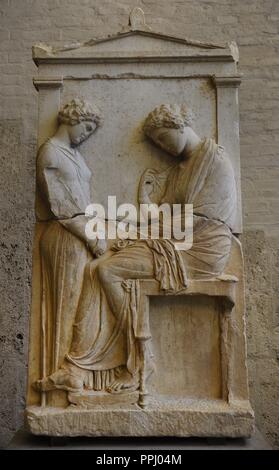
(124, 383)
(60, 380)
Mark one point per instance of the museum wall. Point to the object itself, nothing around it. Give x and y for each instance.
(254, 24)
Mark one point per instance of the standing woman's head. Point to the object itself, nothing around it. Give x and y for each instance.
(81, 118)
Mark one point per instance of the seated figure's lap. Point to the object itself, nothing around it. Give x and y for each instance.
(132, 262)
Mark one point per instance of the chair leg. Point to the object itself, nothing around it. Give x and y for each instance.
(142, 389)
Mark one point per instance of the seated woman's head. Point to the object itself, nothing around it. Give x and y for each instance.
(82, 119)
(165, 125)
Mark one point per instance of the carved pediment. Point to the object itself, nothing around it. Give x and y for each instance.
(137, 40)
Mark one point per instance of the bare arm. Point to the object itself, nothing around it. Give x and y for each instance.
(61, 200)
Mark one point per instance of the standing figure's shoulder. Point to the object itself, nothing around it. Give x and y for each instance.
(47, 155)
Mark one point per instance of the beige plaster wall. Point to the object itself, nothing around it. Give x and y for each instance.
(254, 24)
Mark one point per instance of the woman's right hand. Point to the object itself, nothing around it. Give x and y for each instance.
(146, 185)
(100, 248)
(97, 247)
(148, 176)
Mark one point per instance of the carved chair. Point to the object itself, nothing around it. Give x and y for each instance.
(228, 288)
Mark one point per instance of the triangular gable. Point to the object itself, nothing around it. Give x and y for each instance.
(137, 40)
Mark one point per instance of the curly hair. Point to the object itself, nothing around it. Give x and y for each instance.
(167, 115)
(77, 111)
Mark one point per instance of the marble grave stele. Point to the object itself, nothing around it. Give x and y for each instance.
(131, 336)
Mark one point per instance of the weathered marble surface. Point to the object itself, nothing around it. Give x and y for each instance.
(162, 418)
(228, 381)
(218, 21)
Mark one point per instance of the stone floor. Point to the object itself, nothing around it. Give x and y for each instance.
(25, 441)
